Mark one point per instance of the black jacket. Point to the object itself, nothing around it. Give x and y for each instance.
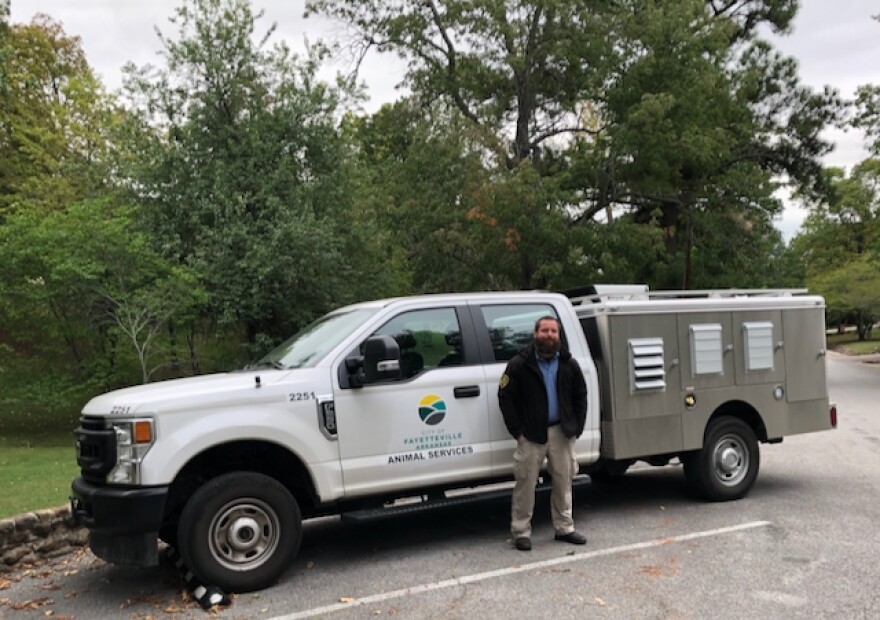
(523, 398)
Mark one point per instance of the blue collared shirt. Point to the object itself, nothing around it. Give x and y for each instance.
(549, 368)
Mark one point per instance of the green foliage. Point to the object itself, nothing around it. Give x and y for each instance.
(868, 115)
(518, 68)
(840, 246)
(53, 115)
(241, 173)
(847, 222)
(853, 289)
(469, 225)
(94, 278)
(674, 112)
(702, 128)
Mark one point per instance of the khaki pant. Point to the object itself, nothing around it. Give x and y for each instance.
(527, 461)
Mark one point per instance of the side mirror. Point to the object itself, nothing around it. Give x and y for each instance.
(381, 359)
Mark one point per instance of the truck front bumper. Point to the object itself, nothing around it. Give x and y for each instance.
(123, 523)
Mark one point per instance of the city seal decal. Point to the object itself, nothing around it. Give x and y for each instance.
(432, 409)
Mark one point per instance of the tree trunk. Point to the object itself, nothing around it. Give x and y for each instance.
(669, 217)
(194, 363)
(172, 345)
(863, 325)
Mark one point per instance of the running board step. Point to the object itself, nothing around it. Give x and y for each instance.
(370, 514)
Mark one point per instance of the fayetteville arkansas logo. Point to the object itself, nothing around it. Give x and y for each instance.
(432, 409)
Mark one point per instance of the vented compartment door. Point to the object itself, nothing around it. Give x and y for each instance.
(804, 332)
(646, 416)
(647, 366)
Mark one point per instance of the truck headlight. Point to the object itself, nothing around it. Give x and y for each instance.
(133, 440)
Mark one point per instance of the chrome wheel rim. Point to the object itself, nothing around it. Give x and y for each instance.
(244, 534)
(730, 460)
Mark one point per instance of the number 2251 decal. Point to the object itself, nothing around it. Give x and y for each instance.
(295, 396)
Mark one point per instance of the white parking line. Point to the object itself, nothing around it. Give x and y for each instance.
(520, 568)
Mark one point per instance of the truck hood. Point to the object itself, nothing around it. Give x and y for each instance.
(192, 392)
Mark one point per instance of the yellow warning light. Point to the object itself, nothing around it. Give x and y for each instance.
(143, 431)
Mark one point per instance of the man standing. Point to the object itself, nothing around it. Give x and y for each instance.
(543, 398)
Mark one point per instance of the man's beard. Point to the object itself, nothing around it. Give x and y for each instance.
(547, 348)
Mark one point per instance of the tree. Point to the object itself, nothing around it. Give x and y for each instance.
(496, 69)
(840, 245)
(868, 115)
(55, 120)
(54, 117)
(456, 221)
(868, 112)
(142, 314)
(852, 289)
(74, 280)
(847, 221)
(672, 112)
(703, 123)
(241, 172)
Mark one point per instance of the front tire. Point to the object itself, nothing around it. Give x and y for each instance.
(240, 531)
(727, 466)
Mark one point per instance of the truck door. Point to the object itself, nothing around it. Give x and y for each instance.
(503, 329)
(428, 426)
(804, 347)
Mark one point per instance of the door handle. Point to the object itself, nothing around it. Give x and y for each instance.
(467, 391)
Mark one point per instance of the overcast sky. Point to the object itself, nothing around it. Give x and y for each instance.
(835, 42)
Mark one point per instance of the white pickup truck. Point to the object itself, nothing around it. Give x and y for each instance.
(397, 398)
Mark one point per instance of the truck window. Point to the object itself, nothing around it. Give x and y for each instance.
(512, 326)
(427, 339)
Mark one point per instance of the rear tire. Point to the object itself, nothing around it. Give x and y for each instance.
(727, 466)
(240, 531)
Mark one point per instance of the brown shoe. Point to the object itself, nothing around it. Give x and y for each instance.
(575, 538)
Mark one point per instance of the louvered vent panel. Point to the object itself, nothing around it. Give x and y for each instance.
(647, 368)
(706, 349)
(758, 341)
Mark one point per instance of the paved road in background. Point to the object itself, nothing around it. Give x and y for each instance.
(805, 543)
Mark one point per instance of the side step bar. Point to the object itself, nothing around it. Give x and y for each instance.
(414, 505)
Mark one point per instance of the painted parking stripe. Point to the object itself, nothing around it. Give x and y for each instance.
(520, 568)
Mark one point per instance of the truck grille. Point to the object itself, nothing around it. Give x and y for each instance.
(95, 448)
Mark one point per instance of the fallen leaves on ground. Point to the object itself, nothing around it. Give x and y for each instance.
(660, 571)
(29, 605)
(149, 599)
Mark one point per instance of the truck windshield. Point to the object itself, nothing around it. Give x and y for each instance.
(312, 343)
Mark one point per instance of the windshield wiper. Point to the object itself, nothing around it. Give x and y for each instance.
(266, 364)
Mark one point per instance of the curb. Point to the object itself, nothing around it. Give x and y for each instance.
(38, 535)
